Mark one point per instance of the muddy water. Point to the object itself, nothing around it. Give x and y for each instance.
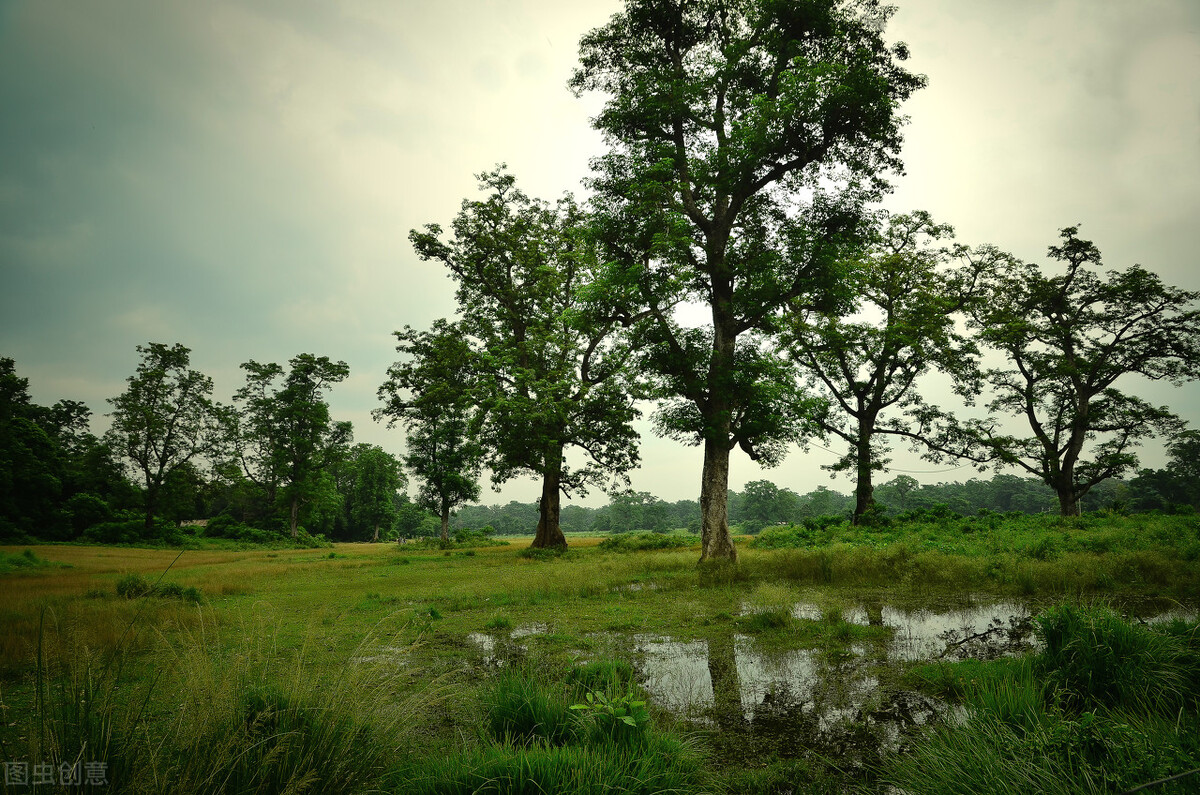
(829, 698)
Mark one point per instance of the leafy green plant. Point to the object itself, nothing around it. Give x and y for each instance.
(616, 716)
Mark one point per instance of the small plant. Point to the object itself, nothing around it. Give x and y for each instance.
(498, 624)
(133, 586)
(521, 710)
(766, 620)
(615, 717)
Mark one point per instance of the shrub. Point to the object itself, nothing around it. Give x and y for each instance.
(132, 586)
(637, 542)
(86, 510)
(225, 526)
(132, 530)
(789, 536)
(1096, 659)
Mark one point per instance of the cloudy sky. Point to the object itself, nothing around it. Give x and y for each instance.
(241, 176)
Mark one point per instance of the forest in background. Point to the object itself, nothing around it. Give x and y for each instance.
(60, 482)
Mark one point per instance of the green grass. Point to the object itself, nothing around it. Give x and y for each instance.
(26, 561)
(273, 657)
(536, 741)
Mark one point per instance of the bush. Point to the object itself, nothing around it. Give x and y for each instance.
(86, 510)
(225, 526)
(789, 536)
(132, 586)
(1096, 659)
(637, 542)
(466, 537)
(132, 530)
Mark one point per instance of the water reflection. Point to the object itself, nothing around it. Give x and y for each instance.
(729, 678)
(827, 698)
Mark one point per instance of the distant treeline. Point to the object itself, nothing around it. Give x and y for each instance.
(762, 504)
(60, 482)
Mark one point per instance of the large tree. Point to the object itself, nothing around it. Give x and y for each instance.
(1068, 338)
(375, 480)
(431, 392)
(551, 362)
(164, 419)
(286, 437)
(764, 503)
(745, 136)
(908, 296)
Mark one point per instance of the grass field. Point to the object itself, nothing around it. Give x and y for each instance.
(379, 667)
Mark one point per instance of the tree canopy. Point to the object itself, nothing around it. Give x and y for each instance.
(1068, 338)
(910, 284)
(431, 392)
(286, 437)
(551, 366)
(165, 418)
(744, 139)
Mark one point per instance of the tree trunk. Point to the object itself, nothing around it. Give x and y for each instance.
(717, 543)
(549, 531)
(295, 516)
(445, 523)
(864, 490)
(1068, 505)
(150, 500)
(376, 536)
(726, 683)
(1063, 483)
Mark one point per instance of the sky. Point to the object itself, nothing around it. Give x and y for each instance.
(241, 177)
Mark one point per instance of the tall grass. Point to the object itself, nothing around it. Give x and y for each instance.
(197, 718)
(1105, 706)
(1098, 660)
(251, 721)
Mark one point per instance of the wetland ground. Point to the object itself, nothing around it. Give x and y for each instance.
(815, 666)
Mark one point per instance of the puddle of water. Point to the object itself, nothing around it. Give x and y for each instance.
(525, 630)
(924, 634)
(498, 650)
(829, 700)
(387, 654)
(694, 678)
